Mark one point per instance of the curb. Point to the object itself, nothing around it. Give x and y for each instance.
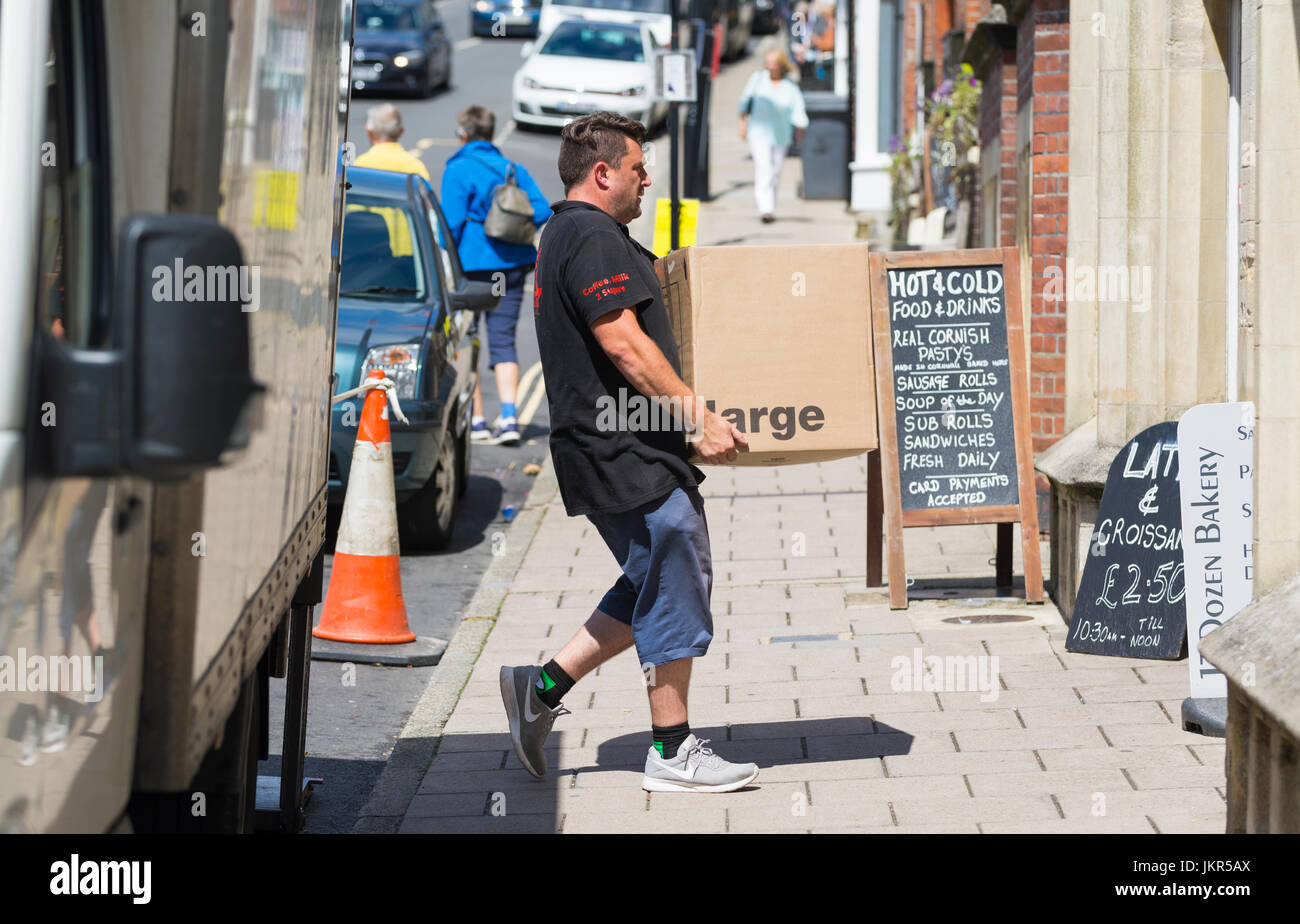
(418, 742)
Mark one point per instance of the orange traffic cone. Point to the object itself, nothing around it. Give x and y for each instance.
(364, 601)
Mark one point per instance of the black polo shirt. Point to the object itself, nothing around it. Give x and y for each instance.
(587, 266)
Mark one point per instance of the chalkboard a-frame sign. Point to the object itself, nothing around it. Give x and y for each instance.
(953, 400)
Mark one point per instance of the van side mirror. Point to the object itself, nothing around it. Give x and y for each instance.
(526, 49)
(474, 295)
(173, 389)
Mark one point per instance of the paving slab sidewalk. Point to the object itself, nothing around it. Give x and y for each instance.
(961, 714)
(840, 700)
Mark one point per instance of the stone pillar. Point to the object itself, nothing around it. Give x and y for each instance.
(1270, 279)
(869, 193)
(1145, 282)
(1161, 198)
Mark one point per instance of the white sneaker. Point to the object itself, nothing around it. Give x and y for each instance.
(695, 769)
(30, 741)
(55, 736)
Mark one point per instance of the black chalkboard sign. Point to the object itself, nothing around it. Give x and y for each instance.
(1130, 600)
(953, 397)
(952, 387)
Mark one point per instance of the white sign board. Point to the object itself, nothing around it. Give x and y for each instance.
(674, 77)
(1216, 482)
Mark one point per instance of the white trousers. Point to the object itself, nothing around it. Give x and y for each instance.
(768, 159)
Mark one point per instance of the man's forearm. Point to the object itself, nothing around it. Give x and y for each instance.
(645, 366)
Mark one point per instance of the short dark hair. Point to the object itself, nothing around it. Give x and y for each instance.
(477, 123)
(593, 138)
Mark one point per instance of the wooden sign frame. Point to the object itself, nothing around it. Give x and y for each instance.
(886, 462)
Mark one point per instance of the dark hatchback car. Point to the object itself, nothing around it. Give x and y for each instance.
(400, 45)
(406, 308)
(767, 17)
(499, 18)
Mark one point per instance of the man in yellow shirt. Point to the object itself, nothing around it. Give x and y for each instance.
(383, 128)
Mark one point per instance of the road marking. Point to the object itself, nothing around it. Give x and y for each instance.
(535, 399)
(526, 382)
(507, 130)
(468, 43)
(526, 417)
(529, 376)
(421, 147)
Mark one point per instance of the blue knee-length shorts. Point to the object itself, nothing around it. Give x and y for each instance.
(503, 320)
(663, 593)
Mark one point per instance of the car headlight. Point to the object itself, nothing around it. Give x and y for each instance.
(408, 58)
(399, 362)
(483, 6)
(530, 83)
(632, 91)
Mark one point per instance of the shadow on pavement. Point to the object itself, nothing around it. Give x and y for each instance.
(476, 784)
(770, 744)
(335, 803)
(480, 506)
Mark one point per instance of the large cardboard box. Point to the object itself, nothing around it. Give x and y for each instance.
(778, 339)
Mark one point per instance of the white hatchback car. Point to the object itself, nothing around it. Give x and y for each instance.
(583, 67)
(654, 13)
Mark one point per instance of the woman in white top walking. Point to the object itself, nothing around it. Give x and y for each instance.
(771, 113)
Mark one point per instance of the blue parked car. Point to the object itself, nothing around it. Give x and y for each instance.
(406, 308)
(515, 17)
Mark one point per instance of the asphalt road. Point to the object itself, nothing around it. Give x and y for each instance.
(351, 729)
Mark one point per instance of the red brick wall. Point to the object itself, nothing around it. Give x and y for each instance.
(998, 121)
(1042, 63)
(907, 85)
(1035, 72)
(911, 67)
(940, 17)
(974, 12)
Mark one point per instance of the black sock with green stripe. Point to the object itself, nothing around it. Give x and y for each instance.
(552, 684)
(668, 738)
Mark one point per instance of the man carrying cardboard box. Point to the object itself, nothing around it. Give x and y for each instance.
(604, 334)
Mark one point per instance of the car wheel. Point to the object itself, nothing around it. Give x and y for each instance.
(427, 86)
(425, 520)
(463, 459)
(446, 79)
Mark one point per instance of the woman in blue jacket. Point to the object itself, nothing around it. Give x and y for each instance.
(471, 176)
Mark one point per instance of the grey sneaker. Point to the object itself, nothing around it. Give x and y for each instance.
(530, 718)
(695, 769)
